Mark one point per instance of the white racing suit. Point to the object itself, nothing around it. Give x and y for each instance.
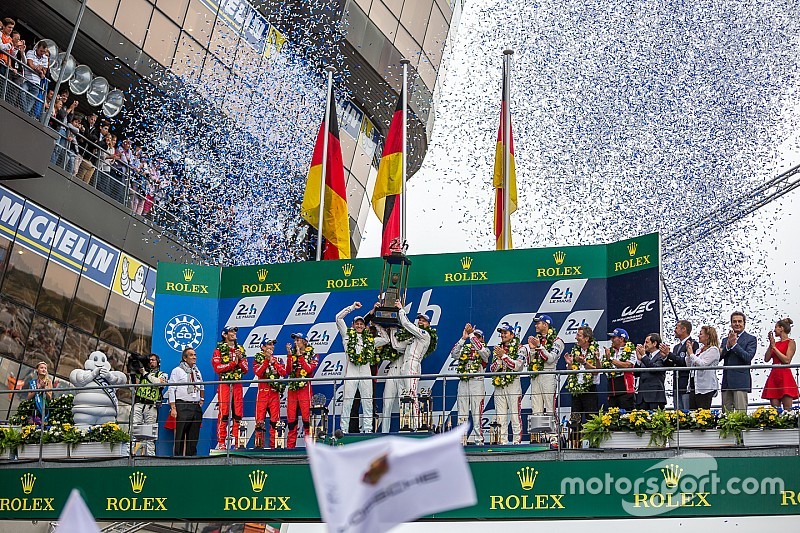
(363, 385)
(543, 387)
(507, 400)
(392, 387)
(471, 391)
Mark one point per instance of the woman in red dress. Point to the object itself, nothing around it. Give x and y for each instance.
(781, 388)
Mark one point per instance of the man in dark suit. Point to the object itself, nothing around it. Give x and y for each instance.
(676, 359)
(738, 349)
(650, 394)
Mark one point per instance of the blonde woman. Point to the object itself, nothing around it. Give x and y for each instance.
(703, 384)
(780, 388)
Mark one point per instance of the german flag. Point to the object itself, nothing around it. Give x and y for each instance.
(335, 221)
(499, 156)
(389, 184)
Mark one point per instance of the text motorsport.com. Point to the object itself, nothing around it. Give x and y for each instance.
(710, 483)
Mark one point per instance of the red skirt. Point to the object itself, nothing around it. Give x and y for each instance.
(780, 383)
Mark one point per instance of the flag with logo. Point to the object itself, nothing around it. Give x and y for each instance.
(335, 219)
(76, 516)
(374, 485)
(499, 192)
(386, 196)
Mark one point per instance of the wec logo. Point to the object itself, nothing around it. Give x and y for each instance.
(639, 309)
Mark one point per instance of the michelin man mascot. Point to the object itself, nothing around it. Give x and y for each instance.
(95, 406)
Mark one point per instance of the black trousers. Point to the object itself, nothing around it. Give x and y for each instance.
(187, 427)
(700, 401)
(622, 401)
(584, 405)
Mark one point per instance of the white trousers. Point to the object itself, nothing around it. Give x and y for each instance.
(146, 414)
(507, 402)
(543, 390)
(391, 394)
(364, 387)
(470, 398)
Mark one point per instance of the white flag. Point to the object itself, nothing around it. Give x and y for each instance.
(76, 516)
(374, 485)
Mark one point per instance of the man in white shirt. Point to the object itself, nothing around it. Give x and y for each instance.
(38, 62)
(186, 403)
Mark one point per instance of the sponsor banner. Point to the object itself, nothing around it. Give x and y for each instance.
(130, 279)
(686, 486)
(350, 117)
(633, 255)
(630, 309)
(480, 288)
(11, 206)
(369, 137)
(242, 18)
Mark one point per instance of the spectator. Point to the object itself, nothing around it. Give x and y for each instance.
(651, 394)
(147, 398)
(677, 359)
(38, 62)
(73, 130)
(17, 69)
(781, 388)
(41, 387)
(738, 350)
(186, 403)
(6, 46)
(90, 147)
(703, 384)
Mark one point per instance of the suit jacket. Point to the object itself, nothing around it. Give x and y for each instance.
(651, 384)
(742, 353)
(677, 358)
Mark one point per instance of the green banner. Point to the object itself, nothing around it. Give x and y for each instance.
(188, 280)
(700, 485)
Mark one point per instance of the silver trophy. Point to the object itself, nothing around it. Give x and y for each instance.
(242, 440)
(319, 417)
(425, 410)
(406, 412)
(280, 435)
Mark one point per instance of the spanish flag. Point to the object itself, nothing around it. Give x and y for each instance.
(499, 156)
(389, 184)
(335, 221)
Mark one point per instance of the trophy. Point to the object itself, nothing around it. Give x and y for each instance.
(494, 433)
(319, 417)
(280, 435)
(425, 410)
(406, 412)
(394, 282)
(242, 440)
(540, 426)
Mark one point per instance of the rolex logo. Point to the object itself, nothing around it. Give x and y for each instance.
(188, 274)
(257, 480)
(632, 248)
(672, 474)
(347, 269)
(559, 257)
(137, 481)
(28, 480)
(466, 262)
(262, 274)
(527, 477)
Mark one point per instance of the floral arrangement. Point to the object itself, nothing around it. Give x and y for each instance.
(12, 438)
(109, 432)
(387, 353)
(403, 334)
(513, 353)
(469, 361)
(59, 412)
(225, 357)
(699, 419)
(628, 355)
(537, 363)
(767, 417)
(367, 355)
(297, 370)
(580, 383)
(271, 373)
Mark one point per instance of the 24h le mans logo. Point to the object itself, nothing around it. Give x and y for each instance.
(183, 331)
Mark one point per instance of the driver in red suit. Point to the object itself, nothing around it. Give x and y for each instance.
(300, 363)
(230, 362)
(267, 366)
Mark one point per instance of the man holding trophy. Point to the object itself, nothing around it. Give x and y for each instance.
(268, 401)
(472, 356)
(230, 363)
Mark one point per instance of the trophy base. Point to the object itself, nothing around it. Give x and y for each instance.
(386, 316)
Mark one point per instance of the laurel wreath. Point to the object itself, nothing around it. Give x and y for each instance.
(627, 355)
(367, 355)
(403, 334)
(581, 383)
(537, 363)
(298, 371)
(225, 352)
(469, 361)
(513, 353)
(275, 378)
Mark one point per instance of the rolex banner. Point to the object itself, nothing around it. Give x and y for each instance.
(601, 286)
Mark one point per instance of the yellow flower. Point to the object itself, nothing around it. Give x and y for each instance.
(303, 372)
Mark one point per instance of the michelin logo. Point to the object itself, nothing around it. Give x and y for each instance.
(183, 331)
(577, 320)
(306, 308)
(562, 295)
(246, 311)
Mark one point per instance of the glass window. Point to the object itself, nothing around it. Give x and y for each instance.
(77, 347)
(88, 306)
(366, 206)
(162, 38)
(9, 371)
(199, 22)
(174, 9)
(119, 320)
(142, 337)
(407, 46)
(133, 17)
(223, 42)
(58, 288)
(117, 357)
(247, 64)
(44, 342)
(364, 5)
(189, 58)
(347, 143)
(15, 323)
(435, 37)
(355, 193)
(107, 9)
(24, 275)
(5, 249)
(26, 373)
(415, 18)
(427, 73)
(383, 19)
(395, 6)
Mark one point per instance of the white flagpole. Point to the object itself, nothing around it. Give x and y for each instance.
(403, 233)
(328, 103)
(507, 148)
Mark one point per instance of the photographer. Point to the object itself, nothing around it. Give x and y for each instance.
(147, 399)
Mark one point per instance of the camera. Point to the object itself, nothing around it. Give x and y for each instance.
(137, 362)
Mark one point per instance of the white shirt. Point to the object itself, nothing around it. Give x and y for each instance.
(187, 393)
(31, 75)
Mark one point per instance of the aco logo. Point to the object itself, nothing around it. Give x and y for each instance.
(466, 275)
(27, 503)
(627, 264)
(183, 331)
(348, 281)
(560, 269)
(257, 480)
(526, 499)
(125, 504)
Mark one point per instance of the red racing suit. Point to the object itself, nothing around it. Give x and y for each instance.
(229, 370)
(268, 400)
(299, 394)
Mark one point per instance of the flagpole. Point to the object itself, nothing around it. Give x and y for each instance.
(507, 148)
(404, 169)
(322, 185)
